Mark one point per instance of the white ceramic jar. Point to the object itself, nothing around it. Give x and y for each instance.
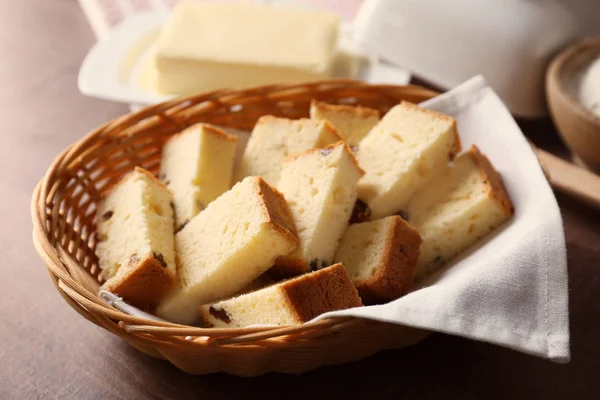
(446, 42)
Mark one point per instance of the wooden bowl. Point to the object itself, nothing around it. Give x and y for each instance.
(577, 125)
(64, 233)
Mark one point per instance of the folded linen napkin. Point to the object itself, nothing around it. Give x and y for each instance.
(510, 289)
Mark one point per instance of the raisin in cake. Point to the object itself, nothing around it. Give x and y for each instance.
(273, 139)
(290, 302)
(352, 122)
(380, 257)
(197, 166)
(320, 188)
(457, 208)
(401, 154)
(222, 249)
(135, 239)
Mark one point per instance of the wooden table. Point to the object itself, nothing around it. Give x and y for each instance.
(48, 351)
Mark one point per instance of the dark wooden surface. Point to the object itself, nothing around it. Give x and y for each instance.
(49, 351)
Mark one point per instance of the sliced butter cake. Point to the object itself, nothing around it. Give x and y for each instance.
(274, 139)
(197, 166)
(320, 188)
(229, 244)
(457, 208)
(401, 153)
(290, 302)
(352, 122)
(135, 239)
(380, 257)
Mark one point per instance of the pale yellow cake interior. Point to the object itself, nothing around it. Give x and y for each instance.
(362, 248)
(223, 249)
(320, 188)
(452, 212)
(400, 154)
(197, 166)
(266, 306)
(273, 139)
(290, 302)
(135, 218)
(352, 122)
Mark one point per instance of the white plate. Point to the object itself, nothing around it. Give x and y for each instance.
(112, 68)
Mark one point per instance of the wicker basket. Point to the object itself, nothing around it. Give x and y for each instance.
(63, 211)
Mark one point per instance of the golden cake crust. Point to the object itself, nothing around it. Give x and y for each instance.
(363, 112)
(209, 128)
(395, 274)
(496, 189)
(276, 209)
(145, 285)
(131, 174)
(286, 266)
(328, 289)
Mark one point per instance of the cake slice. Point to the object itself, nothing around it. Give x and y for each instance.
(352, 122)
(291, 302)
(320, 187)
(457, 208)
(401, 154)
(135, 239)
(197, 166)
(380, 257)
(273, 139)
(223, 248)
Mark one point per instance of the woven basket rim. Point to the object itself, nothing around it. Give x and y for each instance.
(97, 311)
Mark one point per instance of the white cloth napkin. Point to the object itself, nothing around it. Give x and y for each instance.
(511, 289)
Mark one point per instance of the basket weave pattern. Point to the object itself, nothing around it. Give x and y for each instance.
(63, 211)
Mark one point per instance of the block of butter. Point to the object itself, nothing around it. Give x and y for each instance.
(206, 46)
